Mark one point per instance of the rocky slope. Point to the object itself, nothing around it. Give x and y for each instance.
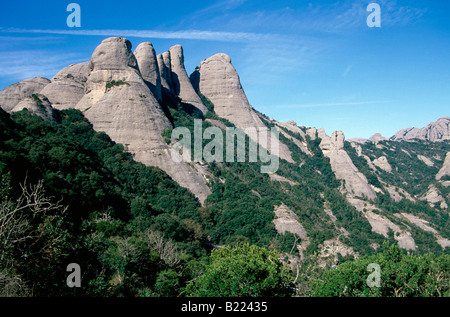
(355, 182)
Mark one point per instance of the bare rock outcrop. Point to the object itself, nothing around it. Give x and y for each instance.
(433, 197)
(13, 94)
(383, 163)
(148, 65)
(165, 72)
(292, 126)
(341, 164)
(445, 169)
(426, 226)
(181, 83)
(118, 102)
(39, 105)
(377, 137)
(278, 178)
(426, 160)
(67, 87)
(331, 249)
(312, 133)
(434, 131)
(219, 82)
(382, 225)
(287, 220)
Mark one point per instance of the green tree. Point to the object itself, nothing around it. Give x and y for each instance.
(242, 270)
(401, 275)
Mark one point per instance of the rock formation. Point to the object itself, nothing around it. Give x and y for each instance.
(67, 87)
(341, 164)
(119, 102)
(12, 95)
(287, 220)
(148, 65)
(219, 82)
(377, 137)
(165, 72)
(312, 132)
(433, 197)
(181, 83)
(426, 160)
(39, 105)
(434, 131)
(383, 163)
(382, 225)
(445, 169)
(292, 126)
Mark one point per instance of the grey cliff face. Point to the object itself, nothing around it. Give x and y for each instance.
(219, 82)
(67, 87)
(12, 95)
(148, 65)
(181, 83)
(119, 102)
(39, 105)
(445, 169)
(341, 164)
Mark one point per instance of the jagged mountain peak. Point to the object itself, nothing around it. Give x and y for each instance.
(434, 131)
(218, 80)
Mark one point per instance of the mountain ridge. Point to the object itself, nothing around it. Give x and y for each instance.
(136, 100)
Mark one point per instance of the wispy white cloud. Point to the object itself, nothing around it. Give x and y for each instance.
(347, 71)
(184, 34)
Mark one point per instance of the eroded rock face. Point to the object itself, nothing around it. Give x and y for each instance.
(148, 65)
(445, 169)
(181, 83)
(13, 94)
(39, 105)
(426, 160)
(219, 82)
(287, 220)
(377, 137)
(164, 70)
(312, 132)
(119, 102)
(433, 197)
(67, 87)
(341, 164)
(382, 225)
(292, 126)
(434, 131)
(383, 163)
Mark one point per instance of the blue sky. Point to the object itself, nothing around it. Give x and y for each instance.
(314, 62)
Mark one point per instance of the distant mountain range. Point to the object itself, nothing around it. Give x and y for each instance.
(434, 131)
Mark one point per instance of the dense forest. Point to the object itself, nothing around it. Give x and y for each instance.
(71, 195)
